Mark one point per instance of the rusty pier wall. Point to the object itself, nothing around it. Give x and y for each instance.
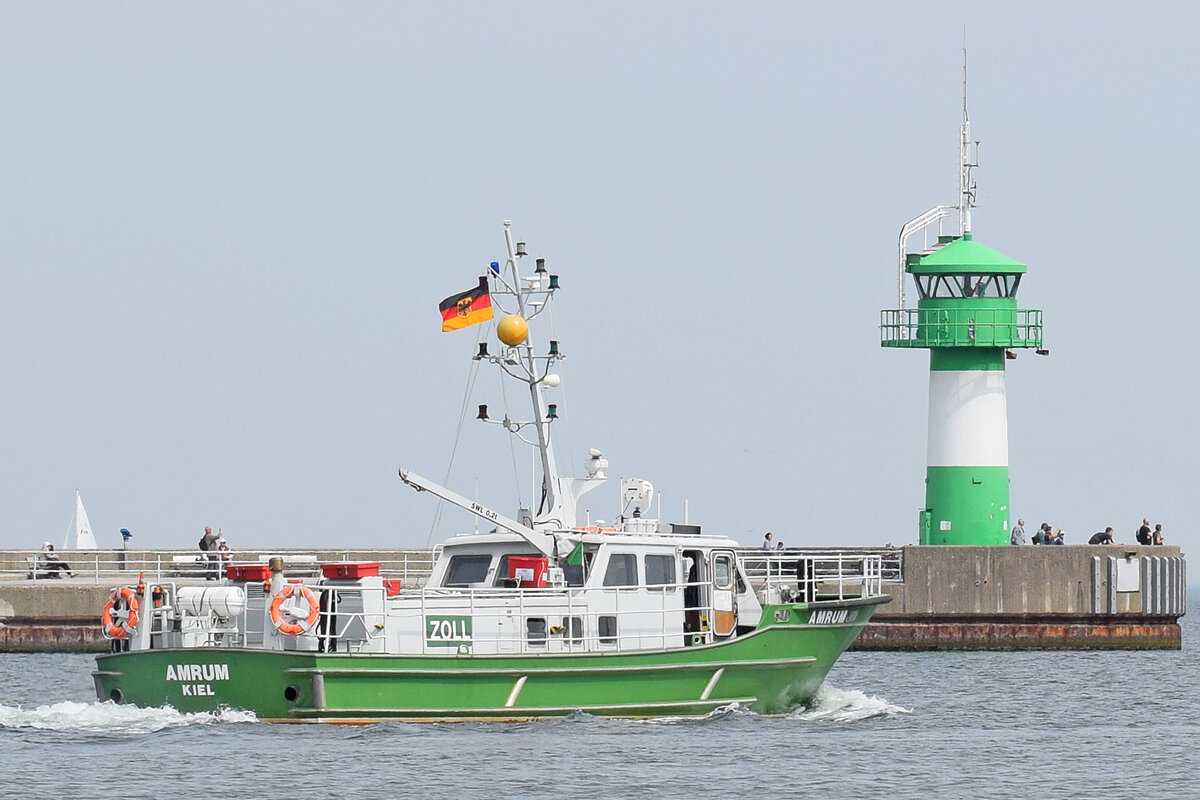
(1073, 597)
(48, 617)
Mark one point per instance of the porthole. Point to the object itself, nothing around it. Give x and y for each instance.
(117, 696)
(291, 694)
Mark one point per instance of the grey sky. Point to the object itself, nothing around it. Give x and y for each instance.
(225, 229)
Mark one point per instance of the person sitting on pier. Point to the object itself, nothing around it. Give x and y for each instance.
(52, 564)
(1043, 534)
(1103, 537)
(1058, 537)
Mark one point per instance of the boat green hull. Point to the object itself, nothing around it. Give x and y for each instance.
(772, 669)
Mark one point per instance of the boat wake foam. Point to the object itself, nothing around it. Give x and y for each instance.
(829, 704)
(846, 705)
(111, 718)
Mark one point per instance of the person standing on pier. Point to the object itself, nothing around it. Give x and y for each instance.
(208, 543)
(1157, 538)
(767, 544)
(1018, 532)
(1143, 533)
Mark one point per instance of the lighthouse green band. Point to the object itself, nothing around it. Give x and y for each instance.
(966, 506)
(966, 358)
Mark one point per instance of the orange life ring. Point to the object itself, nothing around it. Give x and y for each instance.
(295, 628)
(120, 627)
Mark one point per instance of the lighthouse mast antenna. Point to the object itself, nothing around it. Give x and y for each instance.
(966, 186)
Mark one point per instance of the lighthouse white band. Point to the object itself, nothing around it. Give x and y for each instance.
(968, 419)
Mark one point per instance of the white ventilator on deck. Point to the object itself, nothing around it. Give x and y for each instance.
(79, 534)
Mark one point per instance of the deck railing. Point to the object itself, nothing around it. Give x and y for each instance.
(411, 566)
(773, 567)
(121, 567)
(960, 327)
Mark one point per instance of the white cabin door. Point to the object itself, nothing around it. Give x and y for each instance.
(724, 581)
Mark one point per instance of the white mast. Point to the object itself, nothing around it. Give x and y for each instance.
(966, 187)
(549, 501)
(557, 506)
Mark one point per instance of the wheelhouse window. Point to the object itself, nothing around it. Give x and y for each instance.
(621, 570)
(660, 570)
(467, 570)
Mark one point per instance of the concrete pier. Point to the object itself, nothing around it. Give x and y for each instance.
(943, 597)
(1033, 598)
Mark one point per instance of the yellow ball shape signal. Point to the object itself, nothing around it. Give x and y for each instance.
(512, 330)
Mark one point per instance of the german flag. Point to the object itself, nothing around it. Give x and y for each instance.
(467, 308)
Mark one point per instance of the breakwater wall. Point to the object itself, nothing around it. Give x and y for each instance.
(943, 598)
(1033, 598)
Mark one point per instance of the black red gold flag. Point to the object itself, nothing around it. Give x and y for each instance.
(467, 308)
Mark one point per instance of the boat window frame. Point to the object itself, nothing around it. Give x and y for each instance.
(603, 622)
(630, 560)
(461, 559)
(661, 583)
(536, 638)
(731, 577)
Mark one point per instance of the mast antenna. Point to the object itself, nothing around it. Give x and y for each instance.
(967, 160)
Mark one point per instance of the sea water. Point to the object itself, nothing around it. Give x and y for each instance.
(884, 725)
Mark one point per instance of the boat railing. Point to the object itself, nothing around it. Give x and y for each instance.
(411, 566)
(123, 567)
(835, 565)
(806, 575)
(559, 619)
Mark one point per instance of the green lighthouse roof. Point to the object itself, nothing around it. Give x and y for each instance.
(964, 255)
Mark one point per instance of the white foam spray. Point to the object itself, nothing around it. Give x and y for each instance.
(110, 718)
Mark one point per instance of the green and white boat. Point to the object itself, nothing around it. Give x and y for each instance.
(540, 616)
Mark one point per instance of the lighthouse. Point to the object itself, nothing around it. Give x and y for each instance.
(967, 317)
